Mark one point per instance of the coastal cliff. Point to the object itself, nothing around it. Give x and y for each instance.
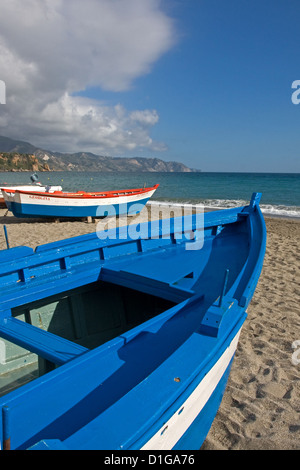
(21, 162)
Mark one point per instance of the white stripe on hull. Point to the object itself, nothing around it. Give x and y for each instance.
(179, 423)
(39, 189)
(43, 200)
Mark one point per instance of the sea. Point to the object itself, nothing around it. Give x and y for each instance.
(280, 191)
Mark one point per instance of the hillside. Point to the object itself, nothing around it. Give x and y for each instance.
(22, 156)
(12, 161)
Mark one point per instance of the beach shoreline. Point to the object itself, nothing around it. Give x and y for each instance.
(261, 404)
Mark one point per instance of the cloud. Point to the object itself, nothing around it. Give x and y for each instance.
(51, 49)
(96, 127)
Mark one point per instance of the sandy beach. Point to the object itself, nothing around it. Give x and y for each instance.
(261, 405)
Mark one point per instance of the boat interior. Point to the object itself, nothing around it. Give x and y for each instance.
(127, 293)
(133, 311)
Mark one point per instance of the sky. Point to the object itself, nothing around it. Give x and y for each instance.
(204, 82)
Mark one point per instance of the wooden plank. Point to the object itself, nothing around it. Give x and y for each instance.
(47, 345)
(146, 284)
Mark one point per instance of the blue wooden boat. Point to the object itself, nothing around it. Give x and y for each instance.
(125, 343)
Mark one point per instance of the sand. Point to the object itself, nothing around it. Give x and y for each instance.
(261, 404)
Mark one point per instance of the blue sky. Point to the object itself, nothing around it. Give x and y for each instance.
(208, 84)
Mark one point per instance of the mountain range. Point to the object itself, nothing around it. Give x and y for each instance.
(17, 155)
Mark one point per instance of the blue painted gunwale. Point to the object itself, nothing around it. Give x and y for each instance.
(58, 267)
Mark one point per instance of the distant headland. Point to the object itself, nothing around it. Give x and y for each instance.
(16, 155)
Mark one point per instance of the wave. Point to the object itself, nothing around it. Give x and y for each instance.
(220, 204)
(281, 211)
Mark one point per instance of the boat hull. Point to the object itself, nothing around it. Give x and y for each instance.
(197, 432)
(23, 205)
(186, 428)
(133, 339)
(189, 425)
(6, 202)
(34, 210)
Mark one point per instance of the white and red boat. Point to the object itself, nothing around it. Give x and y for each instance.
(23, 203)
(37, 187)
